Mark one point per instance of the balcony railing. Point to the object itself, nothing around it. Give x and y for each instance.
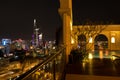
(52, 68)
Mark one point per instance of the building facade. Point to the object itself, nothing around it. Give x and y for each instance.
(111, 33)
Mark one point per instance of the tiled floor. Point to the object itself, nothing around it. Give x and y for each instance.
(95, 69)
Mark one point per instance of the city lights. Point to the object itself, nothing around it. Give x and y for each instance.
(40, 36)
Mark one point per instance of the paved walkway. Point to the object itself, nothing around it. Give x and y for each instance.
(94, 69)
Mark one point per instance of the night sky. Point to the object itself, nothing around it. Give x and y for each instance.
(98, 11)
(16, 16)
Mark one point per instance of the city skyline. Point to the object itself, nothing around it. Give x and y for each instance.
(17, 17)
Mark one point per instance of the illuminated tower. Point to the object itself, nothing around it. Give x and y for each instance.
(36, 34)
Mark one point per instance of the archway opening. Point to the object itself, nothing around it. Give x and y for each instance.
(101, 46)
(101, 42)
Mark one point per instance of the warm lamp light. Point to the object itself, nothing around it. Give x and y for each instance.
(72, 41)
(112, 39)
(90, 40)
(90, 56)
(71, 25)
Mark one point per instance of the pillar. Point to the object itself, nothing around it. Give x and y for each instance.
(65, 12)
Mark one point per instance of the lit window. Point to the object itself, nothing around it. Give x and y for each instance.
(112, 39)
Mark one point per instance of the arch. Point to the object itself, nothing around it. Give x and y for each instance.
(100, 42)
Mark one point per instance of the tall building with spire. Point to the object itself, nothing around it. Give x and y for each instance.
(35, 35)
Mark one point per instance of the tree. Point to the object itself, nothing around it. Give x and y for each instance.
(84, 33)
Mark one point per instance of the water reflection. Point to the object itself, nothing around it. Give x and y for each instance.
(102, 54)
(99, 62)
(106, 53)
